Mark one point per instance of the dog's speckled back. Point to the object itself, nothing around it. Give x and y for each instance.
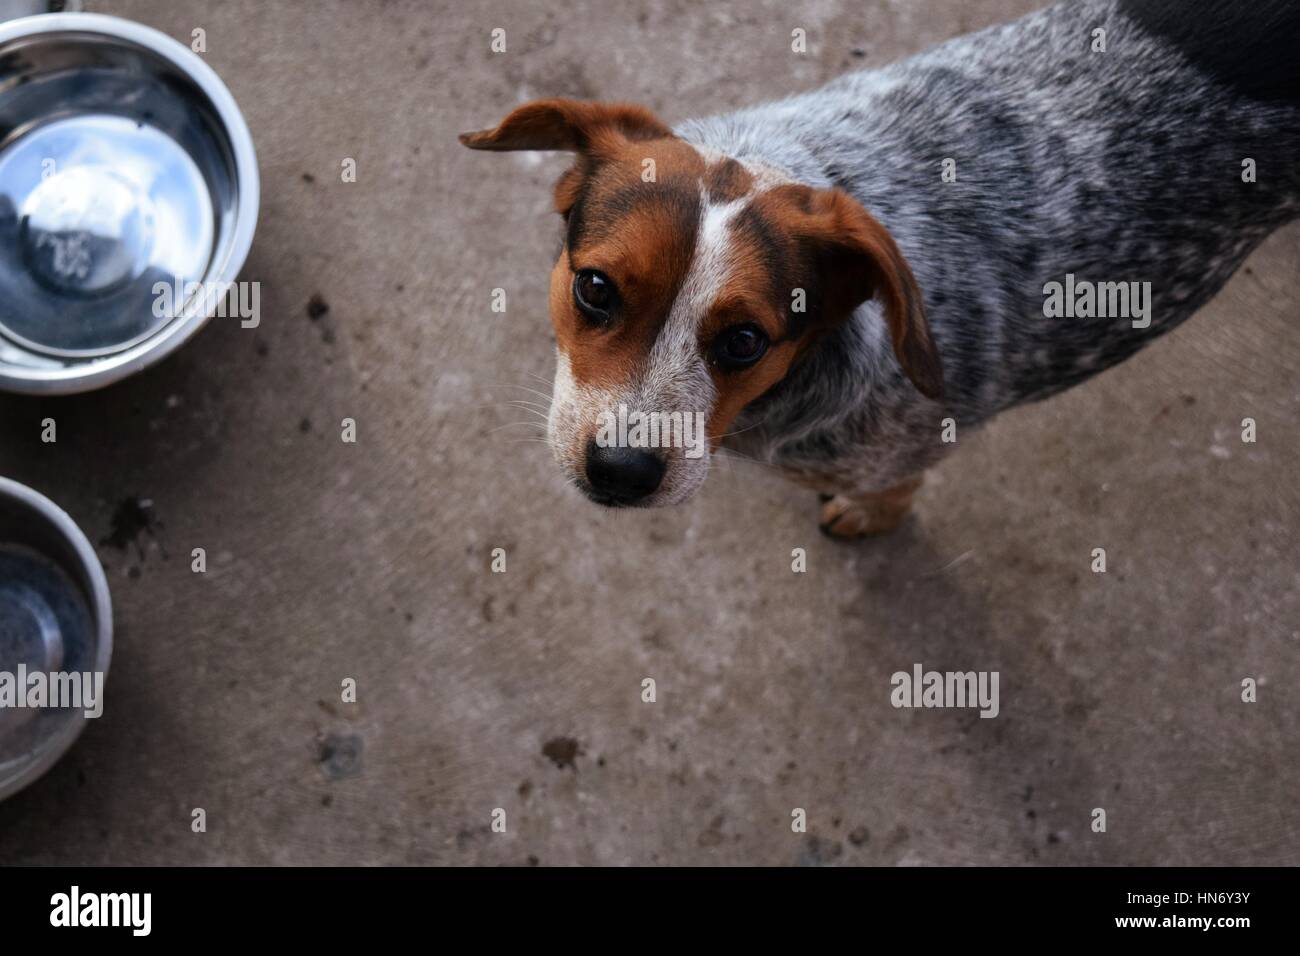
(1115, 166)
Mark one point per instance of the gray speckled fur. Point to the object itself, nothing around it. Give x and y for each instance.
(1122, 165)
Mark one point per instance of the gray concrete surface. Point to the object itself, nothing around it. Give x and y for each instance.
(522, 690)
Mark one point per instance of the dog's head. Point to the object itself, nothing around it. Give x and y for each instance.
(688, 285)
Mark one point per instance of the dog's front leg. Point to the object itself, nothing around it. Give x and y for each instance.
(861, 514)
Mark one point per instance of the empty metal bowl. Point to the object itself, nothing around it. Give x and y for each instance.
(55, 617)
(128, 198)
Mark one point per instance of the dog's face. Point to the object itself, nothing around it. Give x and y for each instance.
(688, 285)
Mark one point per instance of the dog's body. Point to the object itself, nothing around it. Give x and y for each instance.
(1115, 165)
(1123, 165)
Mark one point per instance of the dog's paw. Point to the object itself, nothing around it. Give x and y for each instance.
(848, 518)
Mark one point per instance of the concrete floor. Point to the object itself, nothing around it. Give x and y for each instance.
(522, 690)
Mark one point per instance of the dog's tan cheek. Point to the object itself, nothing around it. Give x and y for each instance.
(591, 362)
(561, 309)
(597, 359)
(736, 391)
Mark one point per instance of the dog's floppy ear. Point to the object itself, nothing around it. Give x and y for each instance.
(594, 131)
(856, 259)
(571, 125)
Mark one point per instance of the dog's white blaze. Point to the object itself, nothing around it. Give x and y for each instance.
(676, 369)
(712, 256)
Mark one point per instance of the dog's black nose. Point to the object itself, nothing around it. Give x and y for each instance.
(623, 476)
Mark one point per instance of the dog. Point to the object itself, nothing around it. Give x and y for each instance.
(839, 280)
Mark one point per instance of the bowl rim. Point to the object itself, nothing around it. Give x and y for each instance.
(98, 372)
(101, 605)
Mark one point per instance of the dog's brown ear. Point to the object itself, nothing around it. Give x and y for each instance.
(571, 125)
(856, 259)
(592, 130)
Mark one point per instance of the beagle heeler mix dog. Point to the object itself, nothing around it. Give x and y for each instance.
(830, 294)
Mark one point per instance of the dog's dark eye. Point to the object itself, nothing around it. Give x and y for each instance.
(595, 295)
(740, 346)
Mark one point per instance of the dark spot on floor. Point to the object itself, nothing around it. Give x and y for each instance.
(316, 306)
(819, 852)
(466, 835)
(859, 836)
(339, 755)
(304, 426)
(308, 178)
(133, 517)
(562, 751)
(713, 835)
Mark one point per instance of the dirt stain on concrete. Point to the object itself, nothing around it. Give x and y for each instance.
(563, 752)
(339, 755)
(133, 517)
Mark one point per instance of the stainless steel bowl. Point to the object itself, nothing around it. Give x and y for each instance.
(128, 193)
(55, 616)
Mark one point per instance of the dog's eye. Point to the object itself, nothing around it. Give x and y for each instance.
(595, 295)
(740, 346)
